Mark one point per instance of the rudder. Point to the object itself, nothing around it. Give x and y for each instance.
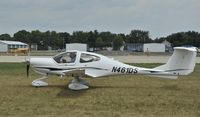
(182, 62)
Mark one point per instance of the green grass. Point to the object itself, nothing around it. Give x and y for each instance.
(128, 96)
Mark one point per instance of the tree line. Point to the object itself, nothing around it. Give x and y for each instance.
(95, 39)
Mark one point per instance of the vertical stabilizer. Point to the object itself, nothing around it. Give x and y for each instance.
(182, 62)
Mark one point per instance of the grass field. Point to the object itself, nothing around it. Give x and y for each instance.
(121, 96)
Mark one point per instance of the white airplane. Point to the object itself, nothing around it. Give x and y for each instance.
(80, 64)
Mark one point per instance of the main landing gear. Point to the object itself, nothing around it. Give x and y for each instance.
(76, 84)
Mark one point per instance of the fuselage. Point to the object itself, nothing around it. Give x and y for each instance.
(93, 65)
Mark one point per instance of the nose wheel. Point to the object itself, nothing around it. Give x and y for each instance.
(39, 82)
(78, 84)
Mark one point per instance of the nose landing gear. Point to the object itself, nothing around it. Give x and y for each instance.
(39, 82)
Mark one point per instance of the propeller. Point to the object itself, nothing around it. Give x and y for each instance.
(27, 60)
(27, 69)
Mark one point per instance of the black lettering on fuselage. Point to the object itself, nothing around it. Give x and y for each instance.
(114, 69)
(124, 70)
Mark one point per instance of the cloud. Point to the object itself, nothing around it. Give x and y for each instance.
(121, 16)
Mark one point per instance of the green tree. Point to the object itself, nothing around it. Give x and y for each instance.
(79, 37)
(138, 36)
(65, 37)
(99, 42)
(55, 41)
(38, 38)
(183, 38)
(107, 38)
(92, 38)
(117, 42)
(23, 36)
(5, 37)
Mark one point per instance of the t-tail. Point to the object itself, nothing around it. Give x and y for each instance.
(182, 62)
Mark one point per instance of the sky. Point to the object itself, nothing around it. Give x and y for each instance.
(160, 17)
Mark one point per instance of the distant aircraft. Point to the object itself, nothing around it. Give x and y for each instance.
(80, 64)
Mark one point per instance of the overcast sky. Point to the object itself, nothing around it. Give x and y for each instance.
(160, 17)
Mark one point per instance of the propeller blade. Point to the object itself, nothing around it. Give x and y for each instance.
(27, 69)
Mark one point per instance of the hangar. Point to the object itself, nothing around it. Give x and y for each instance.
(154, 47)
(9, 46)
(76, 46)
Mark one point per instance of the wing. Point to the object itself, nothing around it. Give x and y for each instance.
(89, 71)
(75, 72)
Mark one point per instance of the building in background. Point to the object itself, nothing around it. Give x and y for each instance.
(76, 46)
(34, 47)
(154, 47)
(134, 47)
(13, 46)
(168, 46)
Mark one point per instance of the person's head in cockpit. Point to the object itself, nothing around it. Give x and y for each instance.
(72, 56)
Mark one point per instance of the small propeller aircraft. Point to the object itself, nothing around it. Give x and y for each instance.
(80, 64)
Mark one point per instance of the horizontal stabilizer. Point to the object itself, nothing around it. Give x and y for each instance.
(165, 76)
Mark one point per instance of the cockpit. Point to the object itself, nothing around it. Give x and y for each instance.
(71, 57)
(85, 58)
(67, 57)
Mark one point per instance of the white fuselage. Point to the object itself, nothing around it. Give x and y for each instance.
(104, 66)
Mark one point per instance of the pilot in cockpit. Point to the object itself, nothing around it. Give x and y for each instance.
(72, 56)
(68, 57)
